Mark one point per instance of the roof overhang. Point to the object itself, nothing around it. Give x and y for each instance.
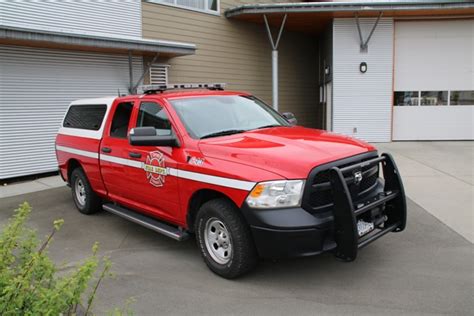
(52, 38)
(312, 17)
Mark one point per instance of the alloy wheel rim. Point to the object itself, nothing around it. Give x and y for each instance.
(218, 241)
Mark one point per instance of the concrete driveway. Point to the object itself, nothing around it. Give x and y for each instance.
(439, 176)
(427, 269)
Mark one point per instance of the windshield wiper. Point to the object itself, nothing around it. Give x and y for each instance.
(268, 126)
(224, 133)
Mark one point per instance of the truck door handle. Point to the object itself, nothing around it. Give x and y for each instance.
(106, 149)
(135, 155)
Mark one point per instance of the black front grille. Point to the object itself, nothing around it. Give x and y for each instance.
(369, 182)
(321, 198)
(318, 195)
(321, 177)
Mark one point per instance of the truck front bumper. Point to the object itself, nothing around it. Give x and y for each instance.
(294, 232)
(290, 232)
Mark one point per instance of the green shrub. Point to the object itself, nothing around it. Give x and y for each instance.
(29, 280)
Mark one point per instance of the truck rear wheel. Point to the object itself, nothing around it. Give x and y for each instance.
(224, 239)
(87, 202)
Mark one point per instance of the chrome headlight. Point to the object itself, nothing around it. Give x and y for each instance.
(276, 194)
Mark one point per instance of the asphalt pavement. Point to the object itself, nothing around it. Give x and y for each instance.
(427, 269)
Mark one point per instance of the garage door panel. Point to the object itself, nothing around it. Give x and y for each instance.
(36, 87)
(438, 57)
(440, 123)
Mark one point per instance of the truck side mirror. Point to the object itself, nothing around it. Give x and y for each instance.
(147, 136)
(290, 117)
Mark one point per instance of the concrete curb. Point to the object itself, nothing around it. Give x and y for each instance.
(31, 186)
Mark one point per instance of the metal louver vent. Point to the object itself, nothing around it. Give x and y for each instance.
(159, 74)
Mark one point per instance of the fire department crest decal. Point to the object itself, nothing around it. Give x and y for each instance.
(155, 169)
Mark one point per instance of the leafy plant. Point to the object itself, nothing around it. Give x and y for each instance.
(29, 280)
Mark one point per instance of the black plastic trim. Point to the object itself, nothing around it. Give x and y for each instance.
(310, 187)
(298, 232)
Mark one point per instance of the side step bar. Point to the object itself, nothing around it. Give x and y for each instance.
(148, 222)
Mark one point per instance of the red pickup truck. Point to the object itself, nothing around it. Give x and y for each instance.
(228, 168)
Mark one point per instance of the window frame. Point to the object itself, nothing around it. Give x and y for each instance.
(175, 5)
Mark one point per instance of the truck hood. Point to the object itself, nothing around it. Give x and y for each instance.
(290, 152)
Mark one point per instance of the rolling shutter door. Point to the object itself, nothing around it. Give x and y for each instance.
(36, 87)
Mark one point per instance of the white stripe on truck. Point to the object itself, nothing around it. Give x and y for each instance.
(225, 182)
(121, 161)
(79, 152)
(189, 175)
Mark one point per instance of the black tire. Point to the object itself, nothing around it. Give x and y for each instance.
(91, 203)
(243, 255)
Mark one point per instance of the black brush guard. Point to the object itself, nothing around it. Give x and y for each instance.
(346, 214)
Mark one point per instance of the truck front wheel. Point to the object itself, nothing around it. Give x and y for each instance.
(87, 202)
(224, 239)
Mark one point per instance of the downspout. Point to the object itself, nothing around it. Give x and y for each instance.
(130, 72)
(274, 45)
(275, 78)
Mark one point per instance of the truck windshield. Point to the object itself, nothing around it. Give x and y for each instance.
(213, 116)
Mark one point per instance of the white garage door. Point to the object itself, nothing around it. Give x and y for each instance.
(434, 80)
(36, 86)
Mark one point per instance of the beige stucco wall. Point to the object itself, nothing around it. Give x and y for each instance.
(239, 54)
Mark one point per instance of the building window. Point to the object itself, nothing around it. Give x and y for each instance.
(462, 98)
(208, 6)
(434, 98)
(403, 98)
(429, 98)
(159, 74)
(85, 116)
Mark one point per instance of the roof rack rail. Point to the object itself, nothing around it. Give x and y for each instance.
(154, 88)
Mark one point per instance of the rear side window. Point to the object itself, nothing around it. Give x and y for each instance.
(85, 116)
(121, 120)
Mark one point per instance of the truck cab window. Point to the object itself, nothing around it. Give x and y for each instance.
(122, 115)
(152, 114)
